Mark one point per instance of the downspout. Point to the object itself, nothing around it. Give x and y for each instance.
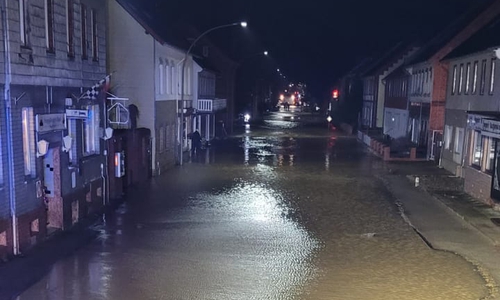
(8, 119)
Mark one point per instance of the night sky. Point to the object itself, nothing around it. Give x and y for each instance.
(313, 41)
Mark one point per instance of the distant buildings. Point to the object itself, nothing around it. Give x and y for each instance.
(438, 102)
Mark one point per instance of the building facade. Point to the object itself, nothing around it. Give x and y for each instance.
(148, 71)
(52, 151)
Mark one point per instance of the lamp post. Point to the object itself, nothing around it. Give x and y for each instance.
(181, 104)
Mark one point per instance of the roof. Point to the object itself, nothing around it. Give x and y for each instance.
(206, 65)
(487, 37)
(390, 57)
(161, 33)
(443, 38)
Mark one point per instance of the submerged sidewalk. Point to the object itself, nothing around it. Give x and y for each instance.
(447, 218)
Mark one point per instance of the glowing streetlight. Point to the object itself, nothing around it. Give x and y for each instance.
(266, 53)
(181, 103)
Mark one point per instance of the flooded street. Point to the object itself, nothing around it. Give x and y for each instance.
(283, 210)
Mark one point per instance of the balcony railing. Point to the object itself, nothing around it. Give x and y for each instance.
(209, 105)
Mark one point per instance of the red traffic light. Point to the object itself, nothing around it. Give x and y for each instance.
(335, 94)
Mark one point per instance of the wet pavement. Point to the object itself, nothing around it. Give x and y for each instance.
(283, 210)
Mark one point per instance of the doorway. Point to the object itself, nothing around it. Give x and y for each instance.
(52, 189)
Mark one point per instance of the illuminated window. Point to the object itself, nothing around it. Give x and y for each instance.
(454, 83)
(49, 25)
(447, 136)
(24, 21)
(474, 78)
(72, 132)
(91, 131)
(461, 79)
(28, 127)
(467, 78)
(492, 76)
(477, 149)
(459, 140)
(161, 82)
(490, 158)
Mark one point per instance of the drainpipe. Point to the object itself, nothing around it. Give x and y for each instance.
(8, 119)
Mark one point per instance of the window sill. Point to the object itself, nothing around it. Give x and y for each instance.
(50, 52)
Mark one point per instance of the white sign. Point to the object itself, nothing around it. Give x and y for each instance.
(77, 113)
(50, 122)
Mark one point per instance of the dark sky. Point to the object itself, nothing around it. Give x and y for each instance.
(314, 41)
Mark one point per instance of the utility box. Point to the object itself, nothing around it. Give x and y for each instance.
(119, 164)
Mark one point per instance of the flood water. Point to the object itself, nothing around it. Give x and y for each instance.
(284, 210)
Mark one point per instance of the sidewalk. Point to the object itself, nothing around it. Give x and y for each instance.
(447, 218)
(23, 271)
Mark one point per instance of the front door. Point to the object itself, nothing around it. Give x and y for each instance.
(52, 188)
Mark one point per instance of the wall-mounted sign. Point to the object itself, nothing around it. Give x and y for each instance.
(77, 113)
(487, 125)
(50, 122)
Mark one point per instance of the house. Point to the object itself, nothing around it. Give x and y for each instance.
(51, 143)
(222, 105)
(396, 108)
(472, 123)
(205, 101)
(429, 74)
(373, 84)
(148, 71)
(347, 97)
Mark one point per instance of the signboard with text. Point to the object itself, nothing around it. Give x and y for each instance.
(50, 122)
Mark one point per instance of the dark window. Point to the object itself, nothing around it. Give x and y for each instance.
(70, 27)
(49, 24)
(95, 41)
(483, 77)
(84, 31)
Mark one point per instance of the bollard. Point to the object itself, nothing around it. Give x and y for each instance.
(417, 181)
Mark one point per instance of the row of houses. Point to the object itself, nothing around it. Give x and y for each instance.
(438, 100)
(91, 104)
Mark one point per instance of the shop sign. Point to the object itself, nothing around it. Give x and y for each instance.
(492, 127)
(77, 113)
(50, 122)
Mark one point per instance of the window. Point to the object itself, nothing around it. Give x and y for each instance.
(474, 78)
(28, 126)
(454, 83)
(467, 78)
(477, 150)
(83, 20)
(91, 131)
(95, 40)
(459, 140)
(24, 22)
(492, 76)
(172, 78)
(49, 25)
(70, 27)
(483, 77)
(167, 77)
(72, 132)
(461, 79)
(447, 136)
(490, 158)
(161, 82)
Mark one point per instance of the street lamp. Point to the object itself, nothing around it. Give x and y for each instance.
(181, 106)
